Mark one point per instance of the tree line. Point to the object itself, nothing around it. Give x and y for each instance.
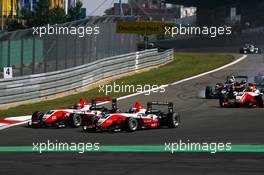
(43, 15)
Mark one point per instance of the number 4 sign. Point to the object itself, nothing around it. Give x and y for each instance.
(8, 72)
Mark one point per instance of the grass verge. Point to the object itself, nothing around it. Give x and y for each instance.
(184, 65)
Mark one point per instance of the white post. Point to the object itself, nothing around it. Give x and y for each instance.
(136, 61)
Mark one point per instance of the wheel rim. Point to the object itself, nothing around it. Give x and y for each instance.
(77, 120)
(133, 124)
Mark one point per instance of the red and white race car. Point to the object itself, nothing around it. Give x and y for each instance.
(74, 116)
(249, 97)
(136, 118)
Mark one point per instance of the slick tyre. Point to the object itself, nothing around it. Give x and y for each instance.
(208, 92)
(173, 120)
(222, 100)
(75, 120)
(260, 102)
(131, 124)
(36, 116)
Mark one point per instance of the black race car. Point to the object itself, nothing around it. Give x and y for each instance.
(249, 48)
(236, 82)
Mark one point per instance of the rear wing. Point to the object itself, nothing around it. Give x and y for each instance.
(104, 99)
(239, 76)
(158, 103)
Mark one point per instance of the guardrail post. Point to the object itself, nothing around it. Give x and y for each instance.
(136, 61)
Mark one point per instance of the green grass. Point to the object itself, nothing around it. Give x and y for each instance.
(183, 66)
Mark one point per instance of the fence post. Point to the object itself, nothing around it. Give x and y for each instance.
(57, 51)
(1, 57)
(33, 55)
(75, 52)
(8, 53)
(83, 47)
(66, 51)
(22, 57)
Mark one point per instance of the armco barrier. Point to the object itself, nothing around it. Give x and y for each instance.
(41, 85)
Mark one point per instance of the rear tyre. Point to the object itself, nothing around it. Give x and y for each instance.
(222, 100)
(75, 120)
(208, 92)
(173, 120)
(260, 102)
(131, 124)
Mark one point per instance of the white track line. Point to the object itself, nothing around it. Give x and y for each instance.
(22, 118)
(2, 124)
(16, 124)
(139, 93)
(186, 79)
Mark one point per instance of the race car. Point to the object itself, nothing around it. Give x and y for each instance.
(249, 48)
(74, 116)
(250, 97)
(136, 118)
(259, 82)
(236, 82)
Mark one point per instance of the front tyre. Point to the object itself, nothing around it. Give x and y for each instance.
(208, 92)
(173, 120)
(36, 119)
(260, 102)
(131, 124)
(222, 100)
(75, 120)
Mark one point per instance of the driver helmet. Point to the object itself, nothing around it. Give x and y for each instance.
(138, 106)
(251, 88)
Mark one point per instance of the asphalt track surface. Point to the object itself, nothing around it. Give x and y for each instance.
(201, 121)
